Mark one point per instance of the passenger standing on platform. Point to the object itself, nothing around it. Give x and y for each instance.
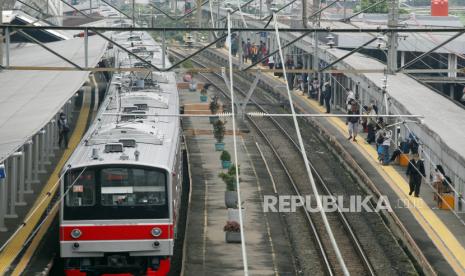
(371, 124)
(350, 98)
(352, 122)
(234, 45)
(315, 88)
(415, 171)
(271, 62)
(322, 94)
(327, 95)
(379, 142)
(438, 180)
(263, 53)
(290, 76)
(63, 130)
(245, 52)
(386, 144)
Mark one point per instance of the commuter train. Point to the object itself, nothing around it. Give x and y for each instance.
(122, 185)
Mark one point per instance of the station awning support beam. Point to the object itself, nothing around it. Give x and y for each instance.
(348, 54)
(430, 51)
(32, 39)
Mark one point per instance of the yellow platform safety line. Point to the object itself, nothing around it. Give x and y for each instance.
(451, 249)
(435, 228)
(12, 250)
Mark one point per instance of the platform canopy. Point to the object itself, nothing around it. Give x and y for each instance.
(30, 99)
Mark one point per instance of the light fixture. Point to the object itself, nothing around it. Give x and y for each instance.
(156, 232)
(76, 233)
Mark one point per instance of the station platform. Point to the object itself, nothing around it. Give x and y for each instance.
(205, 250)
(438, 233)
(22, 245)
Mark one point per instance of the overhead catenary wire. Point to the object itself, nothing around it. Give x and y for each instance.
(306, 162)
(239, 203)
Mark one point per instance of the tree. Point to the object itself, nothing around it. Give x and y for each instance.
(380, 8)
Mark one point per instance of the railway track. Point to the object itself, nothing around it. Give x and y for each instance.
(283, 149)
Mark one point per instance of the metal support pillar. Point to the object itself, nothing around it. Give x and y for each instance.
(36, 154)
(3, 200)
(42, 155)
(393, 22)
(86, 48)
(452, 65)
(1, 36)
(21, 178)
(7, 46)
(50, 138)
(47, 146)
(55, 134)
(402, 58)
(3, 197)
(163, 50)
(29, 168)
(133, 11)
(12, 185)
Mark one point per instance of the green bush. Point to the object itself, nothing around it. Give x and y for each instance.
(225, 156)
(218, 130)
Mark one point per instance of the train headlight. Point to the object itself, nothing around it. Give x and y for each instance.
(156, 232)
(76, 233)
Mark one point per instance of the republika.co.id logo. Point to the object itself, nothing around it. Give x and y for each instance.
(356, 203)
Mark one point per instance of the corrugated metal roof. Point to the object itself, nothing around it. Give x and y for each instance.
(29, 99)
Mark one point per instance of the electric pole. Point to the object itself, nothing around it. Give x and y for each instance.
(316, 23)
(393, 22)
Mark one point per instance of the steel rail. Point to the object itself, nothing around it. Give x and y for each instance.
(294, 185)
(354, 239)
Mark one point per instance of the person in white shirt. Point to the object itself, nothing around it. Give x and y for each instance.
(350, 97)
(271, 62)
(438, 183)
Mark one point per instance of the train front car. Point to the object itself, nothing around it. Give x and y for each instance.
(122, 185)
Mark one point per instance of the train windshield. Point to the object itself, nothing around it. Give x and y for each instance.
(115, 192)
(132, 187)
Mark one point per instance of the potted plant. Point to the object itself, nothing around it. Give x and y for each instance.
(230, 195)
(225, 159)
(218, 131)
(214, 106)
(232, 231)
(203, 95)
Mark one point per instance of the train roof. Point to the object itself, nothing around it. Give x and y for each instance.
(130, 127)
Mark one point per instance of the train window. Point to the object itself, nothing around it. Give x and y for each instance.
(132, 187)
(82, 193)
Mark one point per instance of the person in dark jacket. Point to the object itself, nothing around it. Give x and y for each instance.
(327, 95)
(352, 122)
(415, 171)
(63, 130)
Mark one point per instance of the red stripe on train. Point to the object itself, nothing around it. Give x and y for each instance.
(116, 232)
